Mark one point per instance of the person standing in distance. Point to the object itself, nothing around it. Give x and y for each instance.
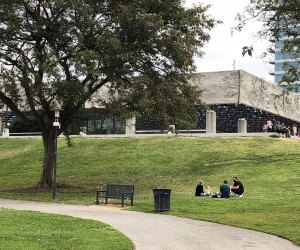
(238, 187)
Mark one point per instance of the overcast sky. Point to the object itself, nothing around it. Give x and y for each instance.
(225, 48)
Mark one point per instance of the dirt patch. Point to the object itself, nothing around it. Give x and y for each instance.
(33, 190)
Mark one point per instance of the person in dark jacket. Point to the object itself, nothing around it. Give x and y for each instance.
(199, 188)
(225, 190)
(238, 187)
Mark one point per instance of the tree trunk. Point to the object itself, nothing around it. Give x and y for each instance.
(49, 142)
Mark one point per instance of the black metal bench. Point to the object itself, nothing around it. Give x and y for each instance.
(116, 191)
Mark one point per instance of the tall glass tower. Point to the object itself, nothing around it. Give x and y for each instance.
(285, 59)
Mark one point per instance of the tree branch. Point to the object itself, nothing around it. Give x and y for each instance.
(10, 103)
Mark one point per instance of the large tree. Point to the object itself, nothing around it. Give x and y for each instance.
(59, 53)
(281, 19)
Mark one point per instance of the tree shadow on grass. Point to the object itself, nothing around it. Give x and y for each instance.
(36, 189)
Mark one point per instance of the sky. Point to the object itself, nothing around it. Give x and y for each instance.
(224, 50)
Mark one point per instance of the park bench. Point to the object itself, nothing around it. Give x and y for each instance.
(116, 191)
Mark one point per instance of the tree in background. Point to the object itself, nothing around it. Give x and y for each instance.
(280, 19)
(60, 53)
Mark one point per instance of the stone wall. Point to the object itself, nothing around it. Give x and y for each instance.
(228, 115)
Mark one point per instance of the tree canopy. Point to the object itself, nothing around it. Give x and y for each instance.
(281, 22)
(59, 53)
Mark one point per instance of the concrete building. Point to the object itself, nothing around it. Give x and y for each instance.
(235, 95)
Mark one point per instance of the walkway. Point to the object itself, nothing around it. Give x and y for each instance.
(162, 232)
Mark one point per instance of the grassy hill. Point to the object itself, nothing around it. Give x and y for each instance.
(268, 167)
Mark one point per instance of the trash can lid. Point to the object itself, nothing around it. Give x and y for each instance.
(162, 189)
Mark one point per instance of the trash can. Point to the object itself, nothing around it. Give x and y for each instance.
(161, 199)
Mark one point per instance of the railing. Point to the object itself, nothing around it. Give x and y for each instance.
(26, 134)
(157, 131)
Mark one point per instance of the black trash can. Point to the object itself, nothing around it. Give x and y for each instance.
(161, 199)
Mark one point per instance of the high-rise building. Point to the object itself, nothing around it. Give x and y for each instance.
(286, 59)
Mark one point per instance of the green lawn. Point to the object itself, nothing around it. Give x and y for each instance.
(32, 230)
(268, 167)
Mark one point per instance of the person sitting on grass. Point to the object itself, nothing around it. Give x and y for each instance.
(225, 190)
(200, 190)
(279, 129)
(238, 187)
(270, 127)
(208, 191)
(286, 130)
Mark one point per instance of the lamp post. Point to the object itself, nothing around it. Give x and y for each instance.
(56, 125)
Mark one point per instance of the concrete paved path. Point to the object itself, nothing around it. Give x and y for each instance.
(162, 232)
